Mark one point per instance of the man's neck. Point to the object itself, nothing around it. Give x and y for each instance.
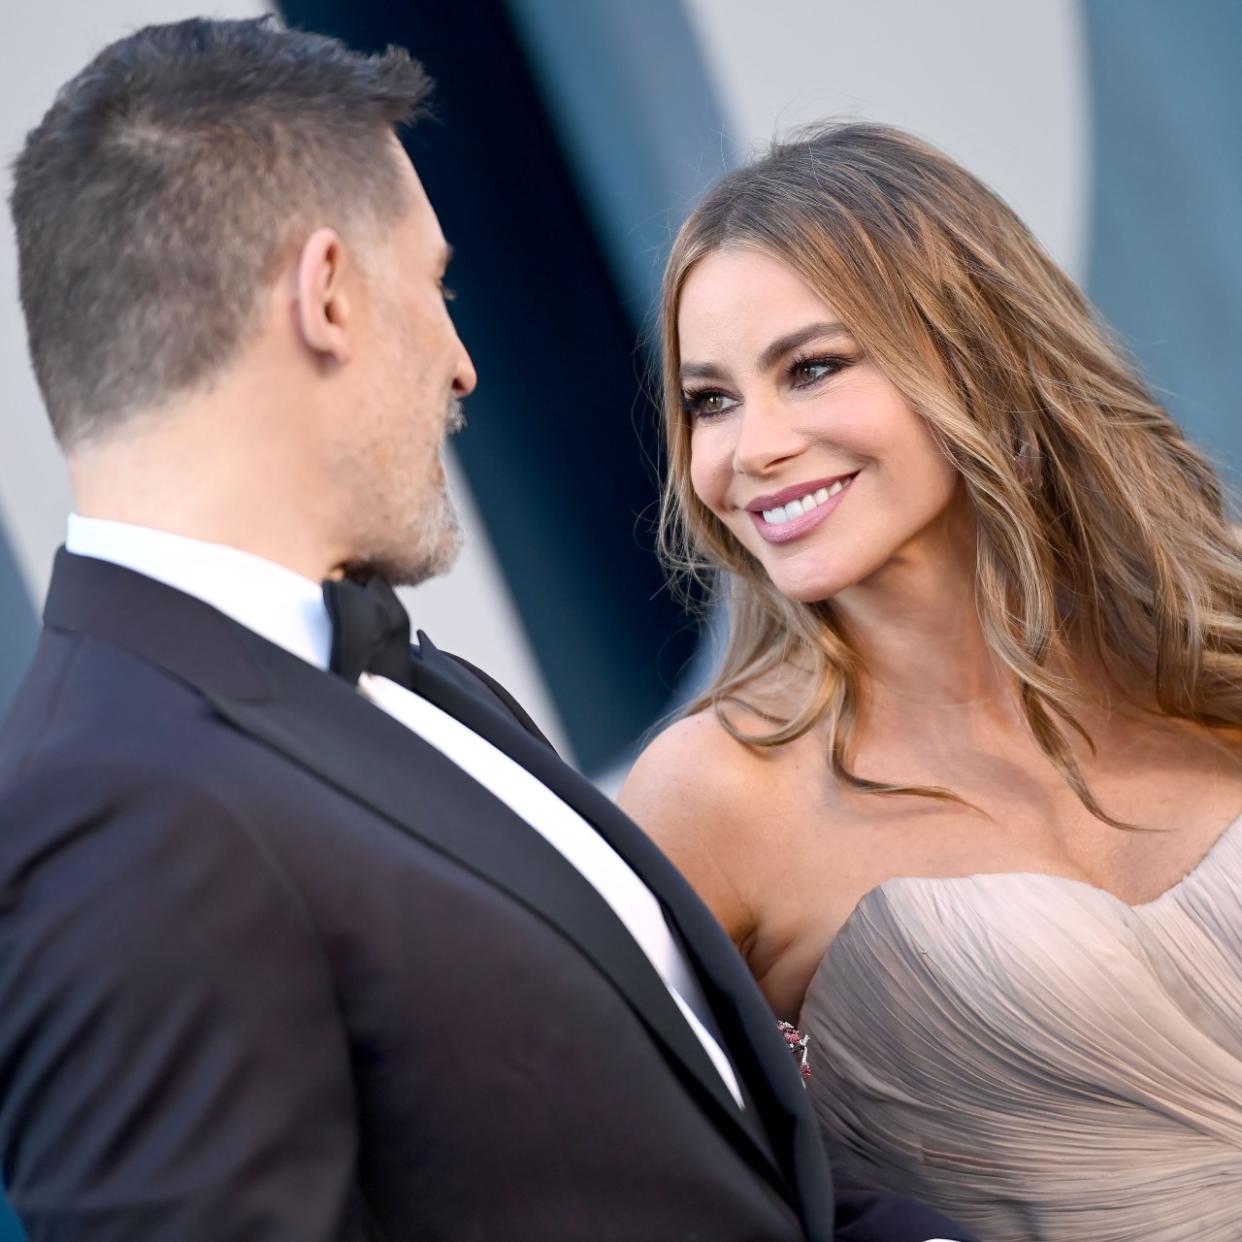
(179, 479)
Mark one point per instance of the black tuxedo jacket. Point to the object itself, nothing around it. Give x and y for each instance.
(271, 967)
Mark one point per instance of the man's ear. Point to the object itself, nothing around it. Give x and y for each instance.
(322, 308)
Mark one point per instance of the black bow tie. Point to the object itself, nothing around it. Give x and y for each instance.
(370, 630)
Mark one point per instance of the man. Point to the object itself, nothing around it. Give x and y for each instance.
(305, 934)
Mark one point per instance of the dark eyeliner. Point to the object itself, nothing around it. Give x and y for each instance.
(835, 364)
(692, 402)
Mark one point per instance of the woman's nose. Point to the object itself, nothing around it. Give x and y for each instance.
(765, 438)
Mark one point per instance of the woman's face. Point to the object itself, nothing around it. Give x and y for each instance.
(799, 445)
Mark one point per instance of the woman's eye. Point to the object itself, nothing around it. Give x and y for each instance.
(811, 370)
(707, 404)
(446, 293)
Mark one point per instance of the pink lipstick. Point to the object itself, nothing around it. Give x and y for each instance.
(794, 511)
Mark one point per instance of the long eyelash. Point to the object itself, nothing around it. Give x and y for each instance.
(449, 295)
(691, 397)
(838, 363)
(819, 360)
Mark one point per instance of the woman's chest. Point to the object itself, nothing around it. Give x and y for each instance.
(845, 845)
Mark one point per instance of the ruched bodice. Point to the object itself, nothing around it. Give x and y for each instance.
(1038, 1059)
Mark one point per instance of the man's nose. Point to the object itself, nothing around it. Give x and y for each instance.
(465, 377)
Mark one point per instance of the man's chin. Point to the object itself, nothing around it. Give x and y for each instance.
(413, 575)
(403, 569)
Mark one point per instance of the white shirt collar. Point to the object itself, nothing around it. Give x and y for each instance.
(276, 603)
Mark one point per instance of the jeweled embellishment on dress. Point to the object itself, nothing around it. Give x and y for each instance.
(798, 1044)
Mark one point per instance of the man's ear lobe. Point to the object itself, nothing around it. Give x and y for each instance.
(322, 308)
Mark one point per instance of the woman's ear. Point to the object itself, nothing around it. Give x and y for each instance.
(322, 309)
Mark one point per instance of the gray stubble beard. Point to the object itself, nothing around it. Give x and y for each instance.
(437, 554)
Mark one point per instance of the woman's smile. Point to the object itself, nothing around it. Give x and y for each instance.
(811, 505)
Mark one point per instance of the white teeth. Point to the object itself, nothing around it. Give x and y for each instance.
(796, 508)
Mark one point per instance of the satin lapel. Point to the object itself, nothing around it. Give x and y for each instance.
(757, 1050)
(328, 728)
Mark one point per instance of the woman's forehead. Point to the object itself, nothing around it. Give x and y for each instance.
(741, 296)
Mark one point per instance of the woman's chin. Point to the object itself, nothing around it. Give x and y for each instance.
(810, 590)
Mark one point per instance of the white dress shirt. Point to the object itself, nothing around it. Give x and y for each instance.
(288, 610)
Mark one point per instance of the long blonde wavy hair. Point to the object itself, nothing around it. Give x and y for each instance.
(1101, 531)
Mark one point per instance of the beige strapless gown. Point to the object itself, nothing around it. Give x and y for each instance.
(1038, 1059)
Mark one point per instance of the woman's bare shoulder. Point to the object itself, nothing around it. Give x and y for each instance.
(692, 765)
(706, 798)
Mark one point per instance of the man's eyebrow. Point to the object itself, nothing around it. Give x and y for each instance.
(791, 340)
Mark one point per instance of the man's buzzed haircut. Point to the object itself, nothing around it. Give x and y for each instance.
(155, 201)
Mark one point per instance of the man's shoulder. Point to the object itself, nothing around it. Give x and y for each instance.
(96, 730)
(111, 770)
(80, 691)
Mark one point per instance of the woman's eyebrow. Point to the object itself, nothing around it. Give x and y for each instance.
(791, 340)
(702, 370)
(772, 355)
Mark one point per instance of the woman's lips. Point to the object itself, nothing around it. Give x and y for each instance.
(795, 528)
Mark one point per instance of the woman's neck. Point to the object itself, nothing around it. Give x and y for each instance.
(922, 649)
(916, 626)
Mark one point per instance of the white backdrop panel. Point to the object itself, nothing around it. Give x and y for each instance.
(1000, 85)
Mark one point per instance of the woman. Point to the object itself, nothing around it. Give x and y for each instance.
(965, 788)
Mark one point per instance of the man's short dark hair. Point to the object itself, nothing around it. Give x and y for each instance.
(155, 201)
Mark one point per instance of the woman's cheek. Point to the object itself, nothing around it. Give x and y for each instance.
(707, 477)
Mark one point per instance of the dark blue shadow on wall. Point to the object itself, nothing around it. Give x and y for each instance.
(559, 438)
(10, 1230)
(1166, 262)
